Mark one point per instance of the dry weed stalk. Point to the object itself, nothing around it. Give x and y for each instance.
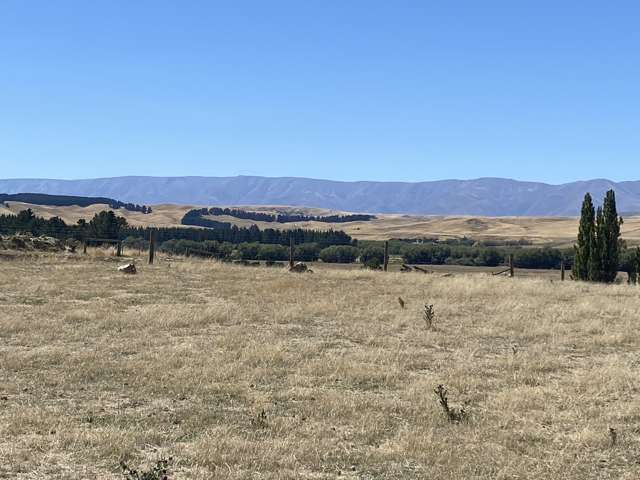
(454, 415)
(429, 315)
(260, 421)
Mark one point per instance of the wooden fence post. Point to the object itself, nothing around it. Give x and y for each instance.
(562, 270)
(511, 265)
(385, 264)
(291, 252)
(152, 245)
(84, 247)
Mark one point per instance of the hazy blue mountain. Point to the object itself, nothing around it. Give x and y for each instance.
(483, 196)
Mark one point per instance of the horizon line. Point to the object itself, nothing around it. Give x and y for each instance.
(287, 177)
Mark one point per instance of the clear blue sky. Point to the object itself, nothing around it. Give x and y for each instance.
(348, 90)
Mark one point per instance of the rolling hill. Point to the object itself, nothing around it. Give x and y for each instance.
(482, 197)
(560, 231)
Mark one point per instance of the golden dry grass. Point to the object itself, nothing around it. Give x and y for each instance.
(559, 231)
(182, 358)
(162, 215)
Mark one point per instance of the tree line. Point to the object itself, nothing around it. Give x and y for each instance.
(232, 241)
(288, 218)
(598, 255)
(371, 253)
(195, 217)
(107, 225)
(70, 200)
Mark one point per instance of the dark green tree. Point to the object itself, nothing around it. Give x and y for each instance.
(489, 257)
(306, 252)
(273, 253)
(586, 238)
(594, 261)
(339, 254)
(630, 263)
(372, 256)
(609, 238)
(107, 225)
(27, 221)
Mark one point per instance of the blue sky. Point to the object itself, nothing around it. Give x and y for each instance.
(346, 90)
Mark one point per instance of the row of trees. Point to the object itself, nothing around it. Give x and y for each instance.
(598, 247)
(108, 225)
(546, 257)
(243, 214)
(306, 252)
(288, 218)
(103, 225)
(597, 256)
(369, 254)
(196, 218)
(69, 200)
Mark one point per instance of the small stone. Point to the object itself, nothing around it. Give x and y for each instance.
(129, 268)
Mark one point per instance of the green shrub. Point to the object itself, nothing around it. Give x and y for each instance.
(307, 252)
(489, 257)
(537, 258)
(339, 254)
(372, 257)
(273, 252)
(427, 254)
(373, 263)
(248, 251)
(135, 243)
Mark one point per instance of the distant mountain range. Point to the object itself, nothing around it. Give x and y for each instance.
(483, 196)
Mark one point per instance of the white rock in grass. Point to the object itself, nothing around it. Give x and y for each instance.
(128, 268)
(300, 267)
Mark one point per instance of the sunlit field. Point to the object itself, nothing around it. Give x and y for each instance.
(251, 372)
(557, 231)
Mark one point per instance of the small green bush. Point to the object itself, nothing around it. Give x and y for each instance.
(339, 254)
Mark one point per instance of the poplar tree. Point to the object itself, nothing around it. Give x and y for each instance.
(610, 238)
(594, 262)
(586, 232)
(597, 251)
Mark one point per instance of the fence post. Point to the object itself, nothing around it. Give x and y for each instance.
(84, 247)
(152, 245)
(562, 270)
(511, 265)
(385, 264)
(291, 252)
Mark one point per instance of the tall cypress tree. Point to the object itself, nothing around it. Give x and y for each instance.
(594, 263)
(610, 241)
(586, 232)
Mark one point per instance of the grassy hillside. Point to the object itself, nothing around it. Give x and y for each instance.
(257, 373)
(539, 230)
(162, 215)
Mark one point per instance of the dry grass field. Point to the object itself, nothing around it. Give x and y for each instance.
(539, 230)
(182, 360)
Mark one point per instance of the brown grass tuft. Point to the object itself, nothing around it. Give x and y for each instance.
(97, 367)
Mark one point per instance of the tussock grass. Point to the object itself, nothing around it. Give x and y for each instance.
(256, 373)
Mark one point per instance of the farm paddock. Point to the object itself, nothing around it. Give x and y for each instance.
(237, 372)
